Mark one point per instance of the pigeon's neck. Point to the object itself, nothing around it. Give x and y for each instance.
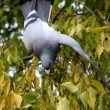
(46, 58)
(47, 51)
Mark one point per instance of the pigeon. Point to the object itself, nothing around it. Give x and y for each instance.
(43, 40)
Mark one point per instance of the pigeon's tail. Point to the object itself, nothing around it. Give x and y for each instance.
(67, 40)
(43, 8)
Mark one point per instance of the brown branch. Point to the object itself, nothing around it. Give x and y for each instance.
(100, 75)
(94, 13)
(58, 13)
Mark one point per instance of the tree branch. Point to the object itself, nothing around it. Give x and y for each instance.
(58, 13)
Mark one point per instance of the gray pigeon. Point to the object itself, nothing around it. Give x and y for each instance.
(41, 39)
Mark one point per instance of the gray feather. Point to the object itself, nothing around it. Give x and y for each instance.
(43, 8)
(38, 37)
(26, 8)
(67, 40)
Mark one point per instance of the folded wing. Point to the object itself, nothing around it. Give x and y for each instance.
(43, 8)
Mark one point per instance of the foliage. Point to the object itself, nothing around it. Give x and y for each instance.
(73, 85)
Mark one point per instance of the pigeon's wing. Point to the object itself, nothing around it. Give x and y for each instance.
(43, 8)
(25, 7)
(67, 40)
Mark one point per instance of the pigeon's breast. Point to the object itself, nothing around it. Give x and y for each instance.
(38, 36)
(40, 45)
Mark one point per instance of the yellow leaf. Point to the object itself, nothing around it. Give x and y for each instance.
(102, 37)
(71, 33)
(6, 88)
(42, 106)
(91, 97)
(36, 82)
(10, 99)
(107, 44)
(70, 86)
(99, 49)
(97, 29)
(83, 97)
(51, 97)
(74, 104)
(2, 67)
(35, 61)
(46, 82)
(66, 24)
(1, 78)
(17, 100)
(22, 81)
(97, 85)
(30, 74)
(2, 104)
(72, 30)
(27, 73)
(78, 28)
(10, 58)
(63, 104)
(100, 46)
(76, 77)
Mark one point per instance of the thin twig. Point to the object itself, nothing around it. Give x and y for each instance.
(100, 75)
(56, 16)
(27, 57)
(6, 3)
(89, 10)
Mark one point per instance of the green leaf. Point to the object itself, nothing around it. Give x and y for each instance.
(17, 100)
(107, 4)
(99, 49)
(7, 87)
(97, 29)
(51, 97)
(107, 44)
(30, 97)
(91, 97)
(98, 85)
(70, 87)
(83, 98)
(63, 104)
(78, 28)
(10, 58)
(1, 65)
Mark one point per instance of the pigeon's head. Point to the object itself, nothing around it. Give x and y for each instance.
(46, 60)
